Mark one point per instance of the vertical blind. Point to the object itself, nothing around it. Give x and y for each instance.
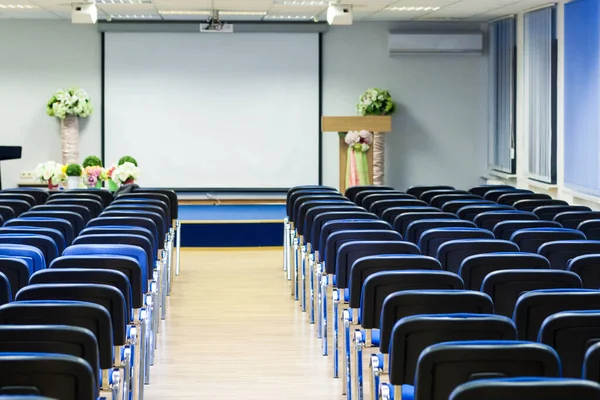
(540, 93)
(582, 96)
(502, 96)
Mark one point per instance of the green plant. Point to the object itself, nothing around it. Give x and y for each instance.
(73, 101)
(376, 102)
(92, 161)
(73, 170)
(130, 159)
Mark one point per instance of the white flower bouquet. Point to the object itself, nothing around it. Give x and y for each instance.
(376, 102)
(125, 173)
(73, 101)
(359, 141)
(50, 171)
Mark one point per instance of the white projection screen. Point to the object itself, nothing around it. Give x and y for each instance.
(209, 110)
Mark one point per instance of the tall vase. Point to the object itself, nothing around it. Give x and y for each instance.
(69, 137)
(52, 185)
(378, 158)
(73, 182)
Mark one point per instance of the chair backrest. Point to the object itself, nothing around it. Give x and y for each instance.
(55, 234)
(452, 253)
(416, 228)
(390, 214)
(530, 239)
(571, 334)
(534, 307)
(35, 255)
(442, 367)
(367, 266)
(313, 201)
(412, 335)
(588, 269)
(121, 238)
(591, 363)
(128, 221)
(94, 206)
(407, 303)
(7, 213)
(378, 286)
(560, 252)
(45, 244)
(75, 219)
(489, 220)
(62, 225)
(314, 218)
(85, 315)
(430, 194)
(505, 229)
(455, 205)
(40, 195)
(352, 191)
(148, 196)
(17, 273)
(527, 388)
(105, 196)
(402, 221)
(136, 275)
(380, 206)
(470, 212)
(417, 191)
(18, 196)
(291, 207)
(530, 205)
(126, 250)
(474, 269)
(174, 201)
(505, 287)
(494, 195)
(293, 190)
(441, 199)
(483, 189)
(81, 210)
(572, 219)
(18, 206)
(548, 213)
(330, 227)
(590, 228)
(5, 290)
(162, 210)
(57, 376)
(369, 199)
(511, 198)
(120, 229)
(155, 217)
(106, 296)
(432, 239)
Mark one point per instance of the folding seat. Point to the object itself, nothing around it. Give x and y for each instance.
(360, 196)
(157, 218)
(105, 196)
(45, 244)
(415, 229)
(376, 288)
(390, 214)
(444, 366)
(141, 222)
(534, 307)
(455, 205)
(474, 269)
(17, 271)
(432, 239)
(153, 205)
(505, 229)
(452, 253)
(7, 213)
(18, 196)
(494, 195)
(505, 287)
(470, 212)
(95, 207)
(81, 210)
(18, 206)
(56, 376)
(560, 252)
(530, 239)
(591, 363)
(32, 255)
(591, 229)
(530, 205)
(62, 225)
(5, 290)
(411, 336)
(55, 234)
(352, 191)
(368, 199)
(75, 219)
(548, 213)
(380, 206)
(489, 220)
(417, 191)
(588, 269)
(483, 189)
(440, 200)
(430, 194)
(571, 333)
(402, 221)
(511, 198)
(118, 230)
(527, 388)
(572, 219)
(40, 195)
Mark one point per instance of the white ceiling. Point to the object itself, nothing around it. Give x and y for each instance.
(364, 10)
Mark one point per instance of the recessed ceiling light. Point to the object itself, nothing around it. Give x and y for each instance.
(304, 3)
(185, 12)
(413, 8)
(242, 12)
(289, 17)
(18, 6)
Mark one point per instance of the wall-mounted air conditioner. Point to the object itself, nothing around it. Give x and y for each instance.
(470, 43)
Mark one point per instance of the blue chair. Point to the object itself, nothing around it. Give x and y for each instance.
(432, 239)
(530, 205)
(505, 287)
(352, 191)
(504, 230)
(474, 269)
(18, 196)
(530, 239)
(17, 271)
(416, 228)
(33, 255)
(380, 206)
(18, 206)
(534, 307)
(441, 199)
(102, 195)
(149, 204)
(83, 211)
(452, 253)
(395, 194)
(548, 213)
(161, 229)
(94, 206)
(402, 221)
(489, 220)
(495, 194)
(588, 269)
(527, 388)
(39, 194)
(75, 219)
(121, 239)
(390, 214)
(55, 234)
(590, 228)
(122, 229)
(511, 198)
(571, 334)
(483, 189)
(455, 205)
(45, 244)
(591, 363)
(471, 211)
(560, 252)
(572, 219)
(417, 191)
(62, 225)
(430, 194)
(444, 366)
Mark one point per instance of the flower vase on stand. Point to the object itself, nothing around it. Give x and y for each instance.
(73, 182)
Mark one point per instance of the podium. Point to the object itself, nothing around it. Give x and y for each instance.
(9, 153)
(376, 124)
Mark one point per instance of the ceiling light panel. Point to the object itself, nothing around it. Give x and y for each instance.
(301, 3)
(123, 1)
(289, 17)
(17, 7)
(134, 16)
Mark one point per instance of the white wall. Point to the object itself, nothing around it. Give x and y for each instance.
(37, 58)
(440, 127)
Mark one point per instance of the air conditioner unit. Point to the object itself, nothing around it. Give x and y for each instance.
(470, 43)
(84, 13)
(339, 14)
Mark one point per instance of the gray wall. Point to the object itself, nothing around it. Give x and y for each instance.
(37, 58)
(440, 127)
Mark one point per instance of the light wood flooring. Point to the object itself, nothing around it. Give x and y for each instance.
(233, 332)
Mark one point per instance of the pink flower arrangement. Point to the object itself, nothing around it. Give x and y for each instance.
(360, 141)
(93, 175)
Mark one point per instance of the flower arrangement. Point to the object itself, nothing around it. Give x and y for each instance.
(376, 102)
(91, 161)
(73, 170)
(129, 159)
(50, 171)
(125, 173)
(73, 101)
(359, 141)
(93, 175)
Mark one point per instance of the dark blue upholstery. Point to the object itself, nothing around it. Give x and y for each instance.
(440, 200)
(534, 307)
(314, 212)
(18, 196)
(483, 189)
(75, 219)
(548, 213)
(368, 199)
(331, 227)
(504, 230)
(40, 194)
(591, 363)
(157, 218)
(293, 195)
(380, 206)
(17, 271)
(489, 220)
(121, 239)
(588, 269)
(471, 211)
(94, 206)
(530, 239)
(313, 228)
(360, 196)
(352, 191)
(452, 253)
(126, 250)
(430, 194)
(64, 226)
(455, 205)
(572, 219)
(45, 244)
(432, 239)
(84, 212)
(505, 287)
(591, 229)
(560, 252)
(18, 206)
(495, 194)
(511, 198)
(402, 221)
(417, 191)
(416, 228)
(55, 234)
(308, 202)
(530, 205)
(24, 251)
(128, 221)
(390, 214)
(122, 229)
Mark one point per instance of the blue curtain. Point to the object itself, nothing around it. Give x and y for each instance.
(582, 96)
(540, 93)
(502, 96)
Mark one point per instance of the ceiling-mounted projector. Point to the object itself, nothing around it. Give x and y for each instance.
(339, 14)
(84, 13)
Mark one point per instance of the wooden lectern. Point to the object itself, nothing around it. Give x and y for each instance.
(376, 124)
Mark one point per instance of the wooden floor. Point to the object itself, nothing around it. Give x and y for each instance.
(233, 332)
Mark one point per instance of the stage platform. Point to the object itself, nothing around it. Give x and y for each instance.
(228, 225)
